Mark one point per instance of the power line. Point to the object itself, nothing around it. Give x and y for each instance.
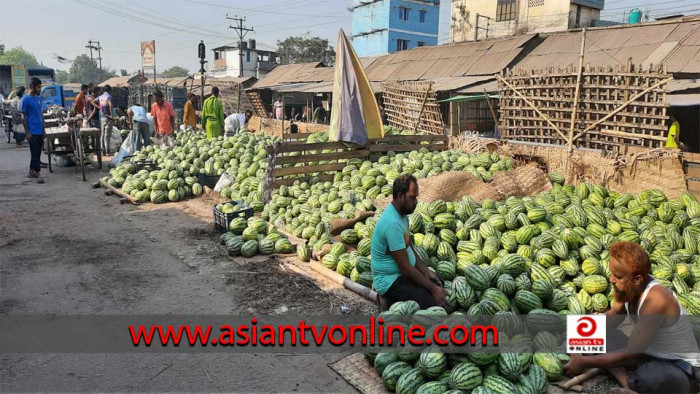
(267, 11)
(241, 31)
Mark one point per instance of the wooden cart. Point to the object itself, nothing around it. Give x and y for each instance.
(73, 140)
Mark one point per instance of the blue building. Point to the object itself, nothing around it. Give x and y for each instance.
(385, 26)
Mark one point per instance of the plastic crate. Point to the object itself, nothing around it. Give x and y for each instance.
(208, 180)
(222, 221)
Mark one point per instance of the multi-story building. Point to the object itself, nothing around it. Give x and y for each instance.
(256, 62)
(473, 20)
(385, 26)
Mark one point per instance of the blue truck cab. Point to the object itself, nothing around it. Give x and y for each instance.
(57, 95)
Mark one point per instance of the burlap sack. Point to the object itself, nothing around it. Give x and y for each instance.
(532, 180)
(506, 184)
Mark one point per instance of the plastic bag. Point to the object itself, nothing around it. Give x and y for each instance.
(127, 149)
(224, 181)
(115, 140)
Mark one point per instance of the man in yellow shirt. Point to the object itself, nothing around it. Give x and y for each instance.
(673, 132)
(189, 118)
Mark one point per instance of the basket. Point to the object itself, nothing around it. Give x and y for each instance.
(222, 221)
(208, 180)
(145, 164)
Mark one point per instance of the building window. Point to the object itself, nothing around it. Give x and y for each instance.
(506, 10)
(403, 13)
(420, 43)
(422, 14)
(401, 45)
(247, 56)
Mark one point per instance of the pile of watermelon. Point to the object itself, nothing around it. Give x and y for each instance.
(528, 368)
(252, 236)
(244, 156)
(303, 208)
(549, 252)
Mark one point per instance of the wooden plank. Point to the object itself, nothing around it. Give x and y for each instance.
(279, 172)
(296, 136)
(405, 148)
(322, 157)
(691, 157)
(632, 135)
(694, 186)
(408, 138)
(302, 146)
(693, 170)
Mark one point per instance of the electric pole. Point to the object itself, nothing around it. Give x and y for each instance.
(98, 48)
(241, 31)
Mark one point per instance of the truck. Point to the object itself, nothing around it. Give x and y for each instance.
(12, 77)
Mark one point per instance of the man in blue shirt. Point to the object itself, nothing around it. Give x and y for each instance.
(398, 273)
(33, 120)
(138, 122)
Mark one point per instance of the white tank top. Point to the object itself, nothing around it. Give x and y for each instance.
(675, 342)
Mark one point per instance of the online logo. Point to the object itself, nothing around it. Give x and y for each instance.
(585, 334)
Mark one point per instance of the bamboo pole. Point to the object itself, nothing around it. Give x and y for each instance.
(528, 102)
(621, 107)
(576, 92)
(493, 112)
(347, 283)
(422, 107)
(119, 193)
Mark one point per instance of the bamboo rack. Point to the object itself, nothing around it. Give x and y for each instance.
(598, 108)
(412, 105)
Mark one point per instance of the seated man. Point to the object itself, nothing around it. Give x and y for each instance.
(398, 273)
(661, 354)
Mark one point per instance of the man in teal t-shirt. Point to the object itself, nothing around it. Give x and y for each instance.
(398, 273)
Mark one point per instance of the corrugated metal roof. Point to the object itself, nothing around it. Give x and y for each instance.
(675, 44)
(121, 82)
(490, 86)
(424, 63)
(679, 85)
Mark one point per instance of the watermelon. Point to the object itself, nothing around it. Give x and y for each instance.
(392, 372)
(382, 360)
(410, 381)
(465, 376)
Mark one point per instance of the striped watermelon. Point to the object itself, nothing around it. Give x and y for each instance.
(499, 385)
(383, 360)
(465, 376)
(249, 248)
(550, 364)
(526, 301)
(594, 284)
(410, 381)
(435, 387)
(509, 366)
(477, 278)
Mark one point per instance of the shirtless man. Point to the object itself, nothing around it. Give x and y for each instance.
(661, 355)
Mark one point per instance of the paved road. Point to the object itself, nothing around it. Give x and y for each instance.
(66, 248)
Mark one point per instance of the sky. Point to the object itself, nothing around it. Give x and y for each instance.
(63, 27)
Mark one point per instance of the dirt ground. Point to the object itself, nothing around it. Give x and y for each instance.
(66, 248)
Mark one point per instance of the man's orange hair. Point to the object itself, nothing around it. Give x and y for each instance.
(632, 257)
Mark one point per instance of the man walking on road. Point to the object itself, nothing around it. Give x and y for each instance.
(138, 122)
(163, 117)
(33, 120)
(106, 105)
(213, 114)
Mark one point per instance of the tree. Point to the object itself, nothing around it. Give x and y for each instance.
(305, 50)
(175, 71)
(2, 49)
(123, 72)
(62, 77)
(17, 56)
(85, 70)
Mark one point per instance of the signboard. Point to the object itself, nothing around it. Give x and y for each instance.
(148, 54)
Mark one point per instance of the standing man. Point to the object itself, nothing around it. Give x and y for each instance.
(319, 114)
(81, 101)
(673, 142)
(91, 110)
(189, 118)
(138, 122)
(105, 103)
(399, 274)
(163, 116)
(661, 354)
(213, 114)
(279, 108)
(33, 120)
